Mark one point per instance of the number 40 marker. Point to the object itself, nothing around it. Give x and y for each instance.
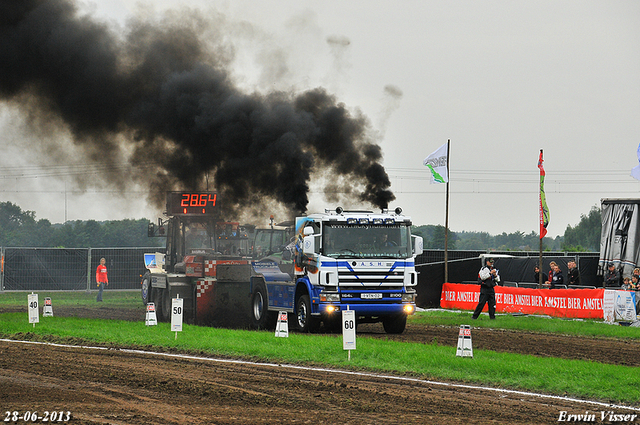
(34, 308)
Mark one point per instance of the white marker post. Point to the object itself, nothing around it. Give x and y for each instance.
(282, 327)
(48, 308)
(465, 348)
(176, 314)
(34, 311)
(151, 319)
(348, 331)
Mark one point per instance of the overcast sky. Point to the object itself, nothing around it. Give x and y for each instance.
(500, 79)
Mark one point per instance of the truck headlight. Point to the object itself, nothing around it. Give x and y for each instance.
(330, 298)
(409, 297)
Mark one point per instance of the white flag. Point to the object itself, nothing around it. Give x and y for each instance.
(635, 171)
(437, 164)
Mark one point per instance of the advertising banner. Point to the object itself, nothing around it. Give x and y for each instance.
(619, 306)
(573, 303)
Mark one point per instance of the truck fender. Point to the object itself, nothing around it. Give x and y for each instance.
(303, 286)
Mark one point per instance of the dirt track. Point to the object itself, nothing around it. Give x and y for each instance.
(110, 386)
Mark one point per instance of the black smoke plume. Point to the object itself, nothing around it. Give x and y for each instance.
(167, 91)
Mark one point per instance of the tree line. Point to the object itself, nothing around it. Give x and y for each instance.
(584, 237)
(21, 229)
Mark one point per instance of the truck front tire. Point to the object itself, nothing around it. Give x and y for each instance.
(305, 321)
(395, 324)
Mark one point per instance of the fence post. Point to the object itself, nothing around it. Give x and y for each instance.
(2, 269)
(89, 270)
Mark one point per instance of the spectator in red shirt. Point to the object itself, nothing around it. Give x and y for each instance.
(101, 278)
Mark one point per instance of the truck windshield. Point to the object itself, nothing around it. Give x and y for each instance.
(215, 237)
(366, 241)
(269, 241)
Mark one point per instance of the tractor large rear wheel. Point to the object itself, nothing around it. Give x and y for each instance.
(162, 301)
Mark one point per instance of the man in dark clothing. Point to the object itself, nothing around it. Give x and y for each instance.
(573, 274)
(487, 278)
(612, 277)
(556, 277)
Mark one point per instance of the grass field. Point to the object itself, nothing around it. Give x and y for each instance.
(116, 299)
(541, 324)
(550, 375)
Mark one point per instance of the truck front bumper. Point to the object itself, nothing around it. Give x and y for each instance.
(362, 309)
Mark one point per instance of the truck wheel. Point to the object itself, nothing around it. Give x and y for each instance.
(166, 304)
(395, 324)
(162, 301)
(306, 322)
(333, 323)
(261, 317)
(146, 288)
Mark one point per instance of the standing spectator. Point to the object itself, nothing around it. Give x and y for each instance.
(555, 276)
(626, 284)
(487, 278)
(101, 278)
(635, 282)
(612, 277)
(551, 266)
(636, 272)
(573, 274)
(536, 274)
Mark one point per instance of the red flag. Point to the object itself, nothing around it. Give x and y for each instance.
(544, 210)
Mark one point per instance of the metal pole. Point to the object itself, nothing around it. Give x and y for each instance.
(89, 270)
(540, 218)
(540, 267)
(446, 219)
(1, 269)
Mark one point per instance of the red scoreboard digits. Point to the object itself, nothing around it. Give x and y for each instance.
(192, 203)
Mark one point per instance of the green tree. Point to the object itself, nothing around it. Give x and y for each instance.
(585, 236)
(20, 229)
(433, 236)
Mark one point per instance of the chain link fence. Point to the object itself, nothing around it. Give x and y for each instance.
(430, 256)
(31, 269)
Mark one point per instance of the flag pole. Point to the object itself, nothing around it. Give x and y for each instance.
(541, 236)
(446, 219)
(540, 267)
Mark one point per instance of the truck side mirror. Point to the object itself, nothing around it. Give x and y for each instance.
(309, 244)
(417, 245)
(151, 230)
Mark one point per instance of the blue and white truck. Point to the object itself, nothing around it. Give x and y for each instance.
(356, 260)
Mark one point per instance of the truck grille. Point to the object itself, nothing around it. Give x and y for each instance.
(370, 278)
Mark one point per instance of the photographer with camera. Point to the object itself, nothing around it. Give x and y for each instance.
(488, 278)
